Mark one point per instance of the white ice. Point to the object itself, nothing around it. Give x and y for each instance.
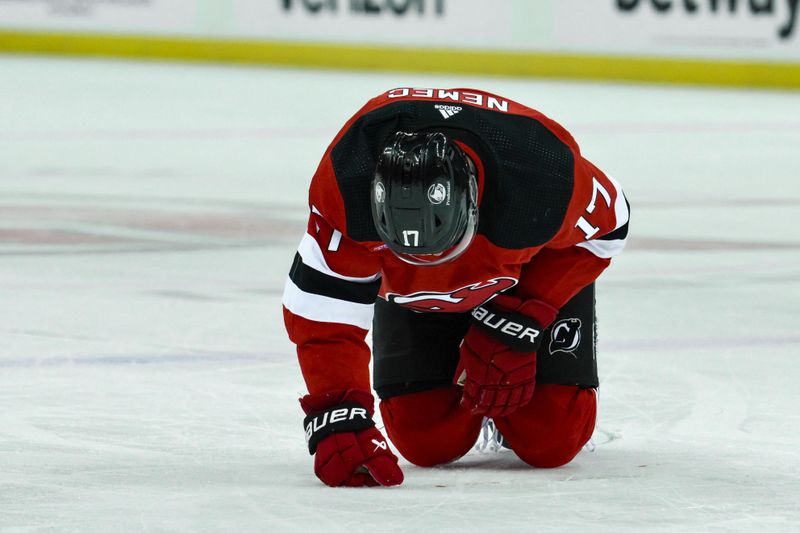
(149, 214)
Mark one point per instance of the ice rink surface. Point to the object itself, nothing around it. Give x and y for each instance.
(148, 217)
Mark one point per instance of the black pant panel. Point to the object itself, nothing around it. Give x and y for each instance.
(415, 351)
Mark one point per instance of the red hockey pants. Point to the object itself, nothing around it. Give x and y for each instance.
(430, 428)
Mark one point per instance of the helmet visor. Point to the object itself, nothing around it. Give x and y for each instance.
(451, 253)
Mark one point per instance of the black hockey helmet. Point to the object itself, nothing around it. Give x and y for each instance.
(425, 198)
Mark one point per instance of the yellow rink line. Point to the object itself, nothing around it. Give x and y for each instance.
(387, 58)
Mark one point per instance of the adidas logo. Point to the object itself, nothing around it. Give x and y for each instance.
(447, 111)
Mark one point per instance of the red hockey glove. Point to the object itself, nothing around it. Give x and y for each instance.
(498, 355)
(350, 451)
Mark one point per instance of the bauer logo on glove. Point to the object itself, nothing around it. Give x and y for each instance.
(346, 417)
(521, 333)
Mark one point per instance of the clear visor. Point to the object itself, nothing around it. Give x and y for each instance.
(449, 254)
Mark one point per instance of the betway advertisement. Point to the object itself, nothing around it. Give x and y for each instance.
(714, 29)
(735, 29)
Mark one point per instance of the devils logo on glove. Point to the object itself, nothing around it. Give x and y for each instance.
(459, 300)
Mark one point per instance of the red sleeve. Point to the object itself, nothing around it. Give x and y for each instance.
(594, 230)
(329, 296)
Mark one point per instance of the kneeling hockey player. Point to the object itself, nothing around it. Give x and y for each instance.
(468, 231)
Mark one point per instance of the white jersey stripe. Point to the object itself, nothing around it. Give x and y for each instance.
(324, 309)
(313, 257)
(604, 249)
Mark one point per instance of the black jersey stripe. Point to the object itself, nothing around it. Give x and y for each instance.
(617, 235)
(621, 232)
(313, 281)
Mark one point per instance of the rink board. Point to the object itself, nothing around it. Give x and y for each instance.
(716, 43)
(384, 58)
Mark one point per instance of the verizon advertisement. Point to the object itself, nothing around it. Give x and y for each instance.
(712, 29)
(415, 23)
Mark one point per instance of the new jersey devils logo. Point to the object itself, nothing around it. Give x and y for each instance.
(566, 336)
(459, 300)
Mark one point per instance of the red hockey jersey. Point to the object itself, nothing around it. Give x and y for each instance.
(549, 221)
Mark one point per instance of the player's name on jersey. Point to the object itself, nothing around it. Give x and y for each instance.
(482, 100)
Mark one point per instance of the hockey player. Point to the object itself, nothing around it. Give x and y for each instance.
(467, 230)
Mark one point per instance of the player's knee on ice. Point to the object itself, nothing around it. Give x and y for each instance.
(551, 430)
(430, 428)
